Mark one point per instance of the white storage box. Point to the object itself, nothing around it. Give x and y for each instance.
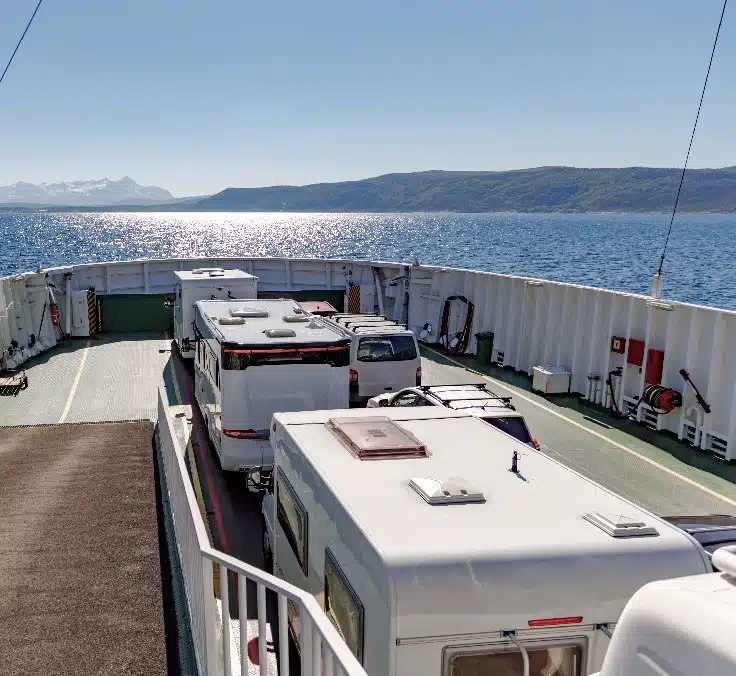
(550, 379)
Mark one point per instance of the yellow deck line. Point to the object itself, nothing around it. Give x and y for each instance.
(595, 433)
(75, 384)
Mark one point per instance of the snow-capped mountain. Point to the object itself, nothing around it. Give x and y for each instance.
(103, 192)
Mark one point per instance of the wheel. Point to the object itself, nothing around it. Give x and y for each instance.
(267, 551)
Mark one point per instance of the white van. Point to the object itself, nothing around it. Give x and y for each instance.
(384, 355)
(256, 357)
(433, 557)
(204, 284)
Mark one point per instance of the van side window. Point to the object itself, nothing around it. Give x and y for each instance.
(293, 518)
(343, 606)
(552, 660)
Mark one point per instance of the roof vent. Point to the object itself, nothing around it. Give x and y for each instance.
(231, 320)
(291, 319)
(211, 271)
(376, 438)
(280, 333)
(250, 313)
(454, 491)
(619, 525)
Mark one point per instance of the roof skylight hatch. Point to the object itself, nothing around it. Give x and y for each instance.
(620, 526)
(453, 491)
(280, 333)
(231, 320)
(250, 313)
(378, 438)
(295, 318)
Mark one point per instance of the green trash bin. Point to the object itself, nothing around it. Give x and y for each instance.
(484, 350)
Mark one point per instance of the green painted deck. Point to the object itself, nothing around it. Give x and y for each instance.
(653, 470)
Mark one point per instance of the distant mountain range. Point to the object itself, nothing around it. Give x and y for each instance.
(103, 192)
(544, 189)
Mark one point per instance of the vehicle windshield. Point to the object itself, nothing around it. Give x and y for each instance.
(515, 426)
(387, 348)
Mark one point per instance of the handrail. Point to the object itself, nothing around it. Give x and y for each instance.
(322, 648)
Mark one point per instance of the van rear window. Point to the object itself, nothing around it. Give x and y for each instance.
(387, 348)
(543, 661)
(514, 426)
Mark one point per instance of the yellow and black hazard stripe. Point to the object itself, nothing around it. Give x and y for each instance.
(93, 313)
(354, 299)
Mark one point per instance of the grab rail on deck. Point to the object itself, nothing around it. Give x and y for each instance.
(323, 652)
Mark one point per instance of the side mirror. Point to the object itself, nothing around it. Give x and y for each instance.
(383, 402)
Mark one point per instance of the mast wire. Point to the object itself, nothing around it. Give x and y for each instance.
(692, 136)
(12, 56)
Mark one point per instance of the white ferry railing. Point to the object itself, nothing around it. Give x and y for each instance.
(323, 652)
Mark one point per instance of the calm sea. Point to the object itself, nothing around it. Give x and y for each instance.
(611, 251)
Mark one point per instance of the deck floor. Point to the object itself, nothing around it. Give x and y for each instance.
(80, 574)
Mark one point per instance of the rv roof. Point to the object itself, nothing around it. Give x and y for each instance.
(542, 506)
(212, 273)
(252, 329)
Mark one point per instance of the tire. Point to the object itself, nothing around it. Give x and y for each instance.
(267, 550)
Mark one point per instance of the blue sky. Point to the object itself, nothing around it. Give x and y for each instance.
(199, 96)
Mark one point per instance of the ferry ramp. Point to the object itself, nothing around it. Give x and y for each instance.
(80, 575)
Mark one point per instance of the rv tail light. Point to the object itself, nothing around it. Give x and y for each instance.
(353, 376)
(273, 427)
(536, 445)
(556, 621)
(242, 434)
(419, 376)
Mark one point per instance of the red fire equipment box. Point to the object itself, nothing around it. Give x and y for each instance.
(636, 352)
(655, 362)
(618, 344)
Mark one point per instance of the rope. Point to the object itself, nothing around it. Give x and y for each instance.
(12, 56)
(692, 136)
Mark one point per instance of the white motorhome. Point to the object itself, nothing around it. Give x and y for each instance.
(680, 627)
(440, 546)
(256, 357)
(205, 284)
(384, 355)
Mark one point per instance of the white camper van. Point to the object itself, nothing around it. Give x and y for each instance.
(204, 284)
(384, 355)
(256, 357)
(440, 546)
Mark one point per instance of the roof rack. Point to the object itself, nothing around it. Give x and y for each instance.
(479, 386)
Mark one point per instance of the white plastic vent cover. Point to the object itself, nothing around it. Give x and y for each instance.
(453, 491)
(280, 333)
(620, 526)
(251, 313)
(376, 438)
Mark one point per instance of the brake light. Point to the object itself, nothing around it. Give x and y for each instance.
(419, 376)
(536, 445)
(556, 621)
(353, 376)
(242, 434)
